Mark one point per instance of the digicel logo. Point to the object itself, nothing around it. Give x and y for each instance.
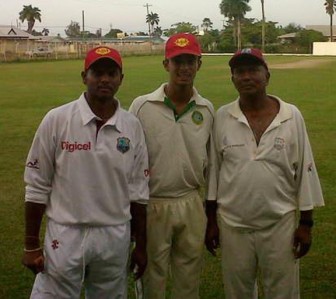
(75, 146)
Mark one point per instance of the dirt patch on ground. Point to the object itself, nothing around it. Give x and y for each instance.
(302, 64)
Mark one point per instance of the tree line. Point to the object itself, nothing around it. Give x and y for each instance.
(237, 32)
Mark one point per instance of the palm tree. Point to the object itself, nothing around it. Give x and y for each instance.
(235, 10)
(31, 14)
(206, 24)
(45, 31)
(263, 26)
(152, 19)
(330, 6)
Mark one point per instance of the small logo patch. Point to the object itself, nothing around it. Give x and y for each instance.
(102, 51)
(54, 244)
(310, 167)
(279, 143)
(197, 117)
(123, 144)
(182, 42)
(33, 164)
(146, 172)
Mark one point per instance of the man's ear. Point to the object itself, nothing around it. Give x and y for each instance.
(83, 74)
(199, 63)
(165, 64)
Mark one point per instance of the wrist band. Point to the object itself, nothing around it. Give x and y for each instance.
(32, 250)
(306, 222)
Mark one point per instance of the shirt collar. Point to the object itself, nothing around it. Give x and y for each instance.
(159, 96)
(88, 116)
(284, 113)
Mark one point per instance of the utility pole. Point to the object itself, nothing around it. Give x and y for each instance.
(147, 6)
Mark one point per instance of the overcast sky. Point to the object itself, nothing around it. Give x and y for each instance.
(130, 15)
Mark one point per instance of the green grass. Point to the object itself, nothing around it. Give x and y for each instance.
(29, 90)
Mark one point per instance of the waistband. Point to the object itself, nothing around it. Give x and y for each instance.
(194, 194)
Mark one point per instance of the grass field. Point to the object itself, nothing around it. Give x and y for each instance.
(29, 90)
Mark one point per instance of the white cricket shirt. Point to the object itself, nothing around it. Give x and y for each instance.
(255, 185)
(177, 147)
(83, 177)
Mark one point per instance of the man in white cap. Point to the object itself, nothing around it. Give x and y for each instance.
(177, 123)
(87, 170)
(263, 177)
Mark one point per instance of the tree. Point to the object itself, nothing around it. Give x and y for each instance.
(73, 30)
(157, 31)
(152, 19)
(113, 33)
(206, 24)
(263, 26)
(180, 27)
(235, 11)
(305, 38)
(45, 31)
(31, 14)
(330, 6)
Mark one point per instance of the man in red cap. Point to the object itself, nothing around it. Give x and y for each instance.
(263, 177)
(177, 122)
(87, 171)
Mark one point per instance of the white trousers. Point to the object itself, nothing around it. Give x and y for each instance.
(175, 241)
(245, 252)
(77, 255)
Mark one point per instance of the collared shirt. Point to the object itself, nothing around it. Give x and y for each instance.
(177, 146)
(85, 177)
(255, 185)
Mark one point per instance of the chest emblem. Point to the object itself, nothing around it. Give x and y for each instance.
(197, 117)
(279, 143)
(123, 144)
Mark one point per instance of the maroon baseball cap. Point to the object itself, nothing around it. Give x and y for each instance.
(182, 43)
(102, 52)
(248, 54)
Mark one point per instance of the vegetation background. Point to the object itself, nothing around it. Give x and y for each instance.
(29, 90)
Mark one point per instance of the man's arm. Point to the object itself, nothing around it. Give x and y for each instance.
(33, 254)
(303, 235)
(212, 231)
(138, 232)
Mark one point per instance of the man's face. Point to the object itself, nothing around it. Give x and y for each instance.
(250, 78)
(103, 79)
(183, 68)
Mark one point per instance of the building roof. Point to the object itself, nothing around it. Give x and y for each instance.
(12, 32)
(324, 29)
(287, 35)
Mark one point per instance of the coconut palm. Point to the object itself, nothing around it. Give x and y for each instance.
(45, 31)
(152, 19)
(263, 26)
(31, 14)
(235, 10)
(330, 6)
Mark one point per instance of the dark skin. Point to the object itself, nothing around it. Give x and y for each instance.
(103, 80)
(182, 71)
(251, 79)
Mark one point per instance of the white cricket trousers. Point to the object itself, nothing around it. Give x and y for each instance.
(245, 251)
(175, 241)
(95, 257)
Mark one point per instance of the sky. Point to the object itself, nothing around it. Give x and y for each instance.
(130, 15)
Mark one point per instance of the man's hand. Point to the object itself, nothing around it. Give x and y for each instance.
(302, 241)
(212, 237)
(34, 261)
(138, 261)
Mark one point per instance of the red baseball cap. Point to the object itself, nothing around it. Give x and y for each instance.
(102, 52)
(248, 54)
(182, 43)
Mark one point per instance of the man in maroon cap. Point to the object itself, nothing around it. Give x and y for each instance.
(177, 122)
(263, 176)
(87, 171)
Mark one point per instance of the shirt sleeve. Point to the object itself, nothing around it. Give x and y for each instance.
(309, 188)
(39, 168)
(138, 186)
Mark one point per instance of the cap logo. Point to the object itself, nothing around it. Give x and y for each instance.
(102, 51)
(182, 42)
(246, 51)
